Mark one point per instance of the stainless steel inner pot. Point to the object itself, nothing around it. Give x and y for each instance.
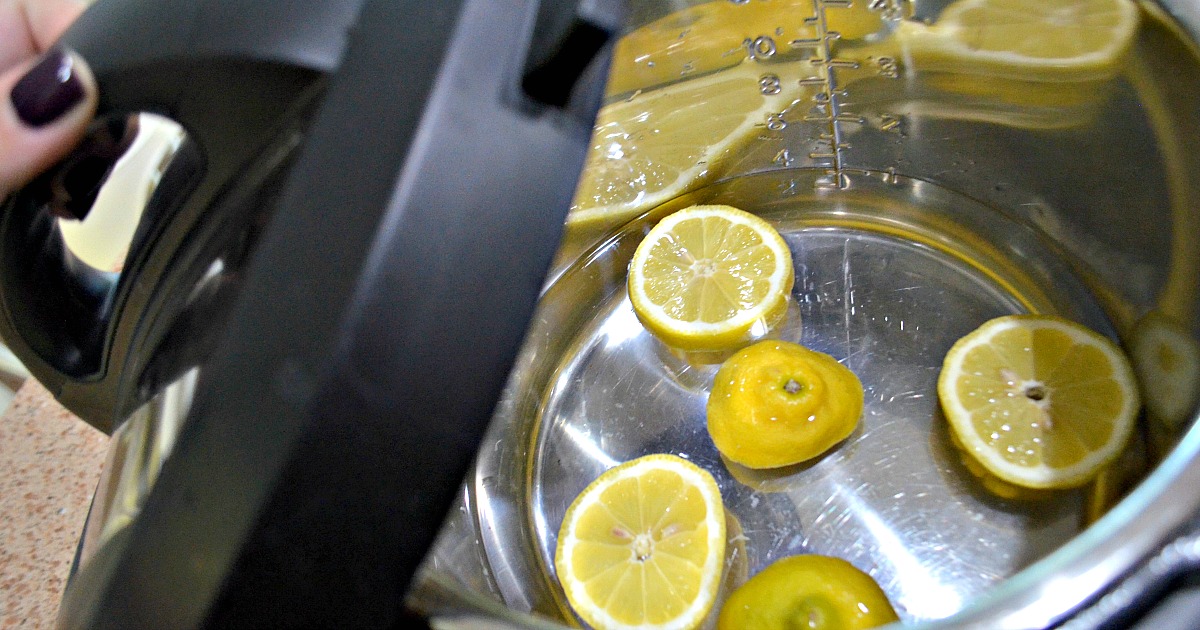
(1081, 207)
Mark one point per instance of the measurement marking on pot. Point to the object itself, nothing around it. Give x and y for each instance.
(829, 110)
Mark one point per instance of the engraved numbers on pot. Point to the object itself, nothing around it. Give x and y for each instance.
(760, 48)
(891, 10)
(769, 84)
(889, 68)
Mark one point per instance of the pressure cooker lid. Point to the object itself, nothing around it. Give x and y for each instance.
(393, 205)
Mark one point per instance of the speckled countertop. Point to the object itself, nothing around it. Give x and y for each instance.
(50, 462)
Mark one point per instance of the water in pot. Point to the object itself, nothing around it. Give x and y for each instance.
(931, 165)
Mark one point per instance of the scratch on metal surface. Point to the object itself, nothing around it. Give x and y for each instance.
(848, 288)
(910, 394)
(852, 354)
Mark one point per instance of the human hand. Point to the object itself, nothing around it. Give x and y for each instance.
(51, 93)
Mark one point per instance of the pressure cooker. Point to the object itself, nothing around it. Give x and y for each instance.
(354, 369)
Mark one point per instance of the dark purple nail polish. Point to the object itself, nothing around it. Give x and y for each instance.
(49, 90)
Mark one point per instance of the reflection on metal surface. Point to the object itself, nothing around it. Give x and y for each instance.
(103, 238)
(586, 445)
(1177, 560)
(135, 457)
(923, 597)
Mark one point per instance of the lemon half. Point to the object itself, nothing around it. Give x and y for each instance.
(1039, 401)
(710, 278)
(808, 591)
(1166, 359)
(777, 403)
(643, 546)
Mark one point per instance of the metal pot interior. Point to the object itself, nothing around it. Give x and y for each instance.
(963, 209)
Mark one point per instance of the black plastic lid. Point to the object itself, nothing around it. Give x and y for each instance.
(410, 230)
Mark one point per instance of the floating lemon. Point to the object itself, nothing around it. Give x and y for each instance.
(643, 546)
(778, 403)
(691, 95)
(812, 592)
(710, 278)
(1039, 401)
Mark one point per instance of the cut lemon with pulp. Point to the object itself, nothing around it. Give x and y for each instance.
(643, 546)
(1039, 401)
(1027, 39)
(710, 278)
(660, 144)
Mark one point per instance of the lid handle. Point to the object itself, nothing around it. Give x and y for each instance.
(227, 72)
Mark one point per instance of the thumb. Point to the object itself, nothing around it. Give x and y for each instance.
(50, 102)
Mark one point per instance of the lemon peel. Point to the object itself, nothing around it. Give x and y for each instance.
(777, 403)
(807, 591)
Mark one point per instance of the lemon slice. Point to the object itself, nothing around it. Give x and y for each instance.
(643, 546)
(710, 278)
(658, 145)
(1026, 39)
(1039, 401)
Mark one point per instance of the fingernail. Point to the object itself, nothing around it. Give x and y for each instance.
(48, 90)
